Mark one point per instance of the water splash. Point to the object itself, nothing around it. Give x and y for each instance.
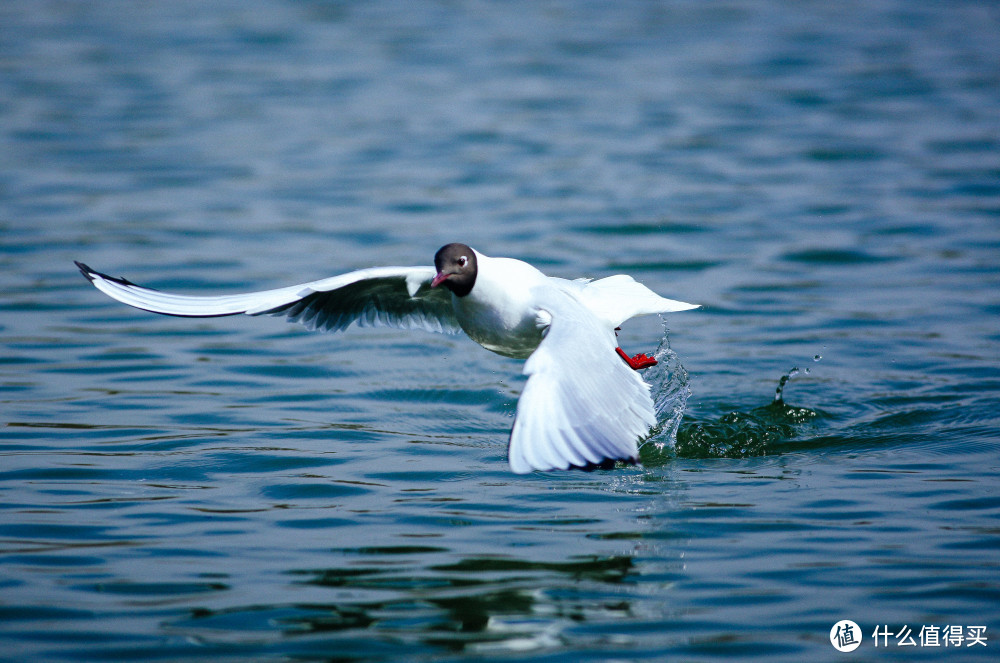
(780, 390)
(758, 432)
(736, 434)
(669, 388)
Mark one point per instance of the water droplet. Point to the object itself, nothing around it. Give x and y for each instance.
(817, 357)
(781, 383)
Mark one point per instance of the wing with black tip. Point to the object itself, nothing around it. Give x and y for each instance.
(399, 297)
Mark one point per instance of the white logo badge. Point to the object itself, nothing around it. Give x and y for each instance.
(845, 635)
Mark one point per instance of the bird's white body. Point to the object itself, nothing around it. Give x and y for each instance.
(582, 406)
(501, 313)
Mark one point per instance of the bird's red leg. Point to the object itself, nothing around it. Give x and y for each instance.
(639, 361)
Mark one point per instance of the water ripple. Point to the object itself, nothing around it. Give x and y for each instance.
(823, 181)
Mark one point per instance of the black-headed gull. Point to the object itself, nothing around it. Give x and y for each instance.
(582, 406)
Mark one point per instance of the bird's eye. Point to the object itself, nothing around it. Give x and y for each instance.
(463, 261)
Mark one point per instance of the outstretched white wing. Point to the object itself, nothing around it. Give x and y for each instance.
(581, 406)
(620, 297)
(380, 296)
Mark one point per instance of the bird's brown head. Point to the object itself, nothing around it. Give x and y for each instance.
(456, 268)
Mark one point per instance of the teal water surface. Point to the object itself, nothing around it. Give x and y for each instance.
(823, 177)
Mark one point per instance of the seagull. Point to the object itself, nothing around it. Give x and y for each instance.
(584, 404)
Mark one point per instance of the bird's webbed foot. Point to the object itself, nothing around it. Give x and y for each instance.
(638, 361)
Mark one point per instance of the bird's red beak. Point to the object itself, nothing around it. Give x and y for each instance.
(439, 278)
